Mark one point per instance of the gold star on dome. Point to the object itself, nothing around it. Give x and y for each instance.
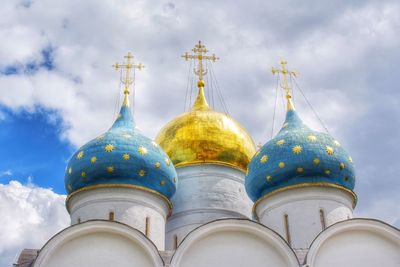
(83, 174)
(311, 138)
(316, 161)
(157, 165)
(109, 148)
(264, 159)
(126, 156)
(336, 143)
(341, 166)
(142, 173)
(300, 169)
(110, 169)
(280, 142)
(350, 160)
(93, 160)
(167, 161)
(80, 155)
(269, 178)
(142, 150)
(281, 164)
(162, 182)
(329, 150)
(328, 172)
(69, 170)
(297, 149)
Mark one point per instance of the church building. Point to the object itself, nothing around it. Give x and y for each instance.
(202, 195)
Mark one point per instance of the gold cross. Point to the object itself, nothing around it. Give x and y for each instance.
(128, 66)
(285, 72)
(199, 54)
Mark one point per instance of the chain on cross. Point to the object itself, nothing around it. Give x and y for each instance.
(200, 52)
(126, 79)
(285, 72)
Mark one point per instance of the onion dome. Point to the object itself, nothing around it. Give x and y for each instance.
(121, 157)
(202, 135)
(299, 157)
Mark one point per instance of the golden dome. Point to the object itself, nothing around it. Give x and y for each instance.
(203, 135)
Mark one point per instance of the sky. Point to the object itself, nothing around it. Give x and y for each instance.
(58, 89)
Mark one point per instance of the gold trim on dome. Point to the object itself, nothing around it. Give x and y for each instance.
(198, 137)
(142, 150)
(264, 159)
(302, 185)
(297, 149)
(202, 135)
(280, 142)
(316, 161)
(312, 138)
(138, 187)
(80, 155)
(109, 148)
(342, 166)
(329, 150)
(214, 162)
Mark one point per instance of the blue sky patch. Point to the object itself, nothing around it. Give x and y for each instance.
(32, 150)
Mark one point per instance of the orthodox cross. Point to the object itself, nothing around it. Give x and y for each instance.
(285, 72)
(126, 79)
(199, 54)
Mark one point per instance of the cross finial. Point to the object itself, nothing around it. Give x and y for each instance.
(200, 52)
(285, 85)
(126, 79)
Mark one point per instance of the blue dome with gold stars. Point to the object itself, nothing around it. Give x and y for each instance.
(297, 157)
(122, 157)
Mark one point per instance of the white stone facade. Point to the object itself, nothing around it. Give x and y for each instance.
(212, 219)
(139, 209)
(206, 193)
(300, 214)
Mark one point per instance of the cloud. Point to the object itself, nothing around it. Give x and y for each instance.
(5, 173)
(346, 52)
(30, 215)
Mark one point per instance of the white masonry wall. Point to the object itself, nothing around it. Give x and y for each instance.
(205, 193)
(130, 206)
(299, 215)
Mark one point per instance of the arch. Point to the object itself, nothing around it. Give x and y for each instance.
(99, 243)
(233, 242)
(356, 242)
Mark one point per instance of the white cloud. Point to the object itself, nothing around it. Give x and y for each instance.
(5, 173)
(346, 52)
(30, 215)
